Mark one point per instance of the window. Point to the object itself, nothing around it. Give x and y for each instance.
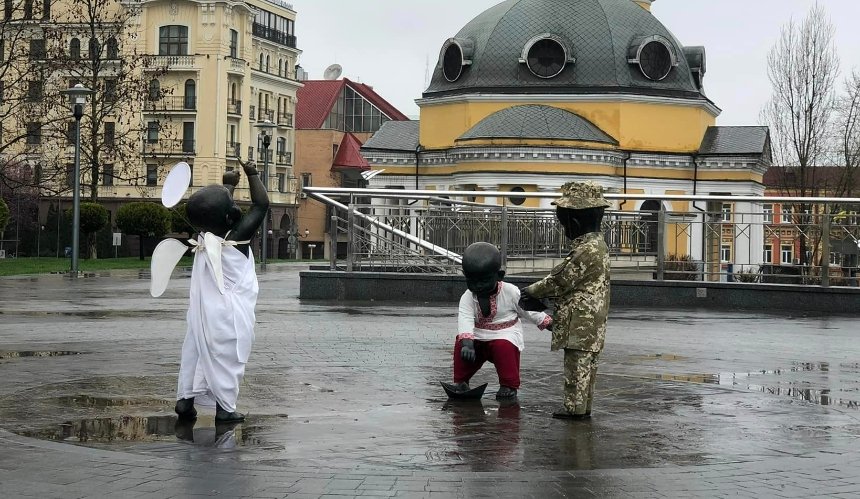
(173, 40)
(154, 92)
(2, 90)
(726, 212)
(110, 133)
(282, 182)
(280, 67)
(725, 253)
(786, 214)
(786, 253)
(518, 200)
(151, 175)
(28, 9)
(306, 180)
(107, 174)
(95, 48)
(767, 257)
(37, 49)
(46, 9)
(234, 43)
(152, 132)
(2, 49)
(654, 57)
(261, 61)
(34, 91)
(75, 49)
(110, 91)
(334, 148)
(112, 49)
(34, 133)
(545, 57)
(267, 63)
(70, 175)
(8, 8)
(282, 145)
(188, 136)
(767, 210)
(190, 94)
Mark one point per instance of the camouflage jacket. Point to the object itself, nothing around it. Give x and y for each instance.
(580, 288)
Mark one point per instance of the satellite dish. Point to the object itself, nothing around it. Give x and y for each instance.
(333, 72)
(176, 184)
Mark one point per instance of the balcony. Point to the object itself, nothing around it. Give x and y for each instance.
(171, 103)
(261, 157)
(234, 107)
(169, 147)
(171, 63)
(285, 158)
(274, 35)
(238, 65)
(266, 114)
(253, 113)
(285, 120)
(234, 150)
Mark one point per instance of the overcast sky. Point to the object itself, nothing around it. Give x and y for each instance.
(389, 44)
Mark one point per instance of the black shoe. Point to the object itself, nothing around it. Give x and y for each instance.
(185, 409)
(565, 414)
(184, 429)
(222, 416)
(506, 392)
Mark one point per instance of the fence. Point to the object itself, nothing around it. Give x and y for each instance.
(708, 238)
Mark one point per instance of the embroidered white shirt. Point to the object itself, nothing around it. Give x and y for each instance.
(503, 323)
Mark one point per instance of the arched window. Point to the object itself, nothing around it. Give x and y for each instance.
(94, 49)
(190, 94)
(267, 64)
(233, 91)
(154, 92)
(262, 60)
(112, 49)
(75, 49)
(280, 67)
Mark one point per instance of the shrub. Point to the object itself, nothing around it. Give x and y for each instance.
(681, 268)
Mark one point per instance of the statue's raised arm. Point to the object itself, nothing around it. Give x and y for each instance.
(247, 225)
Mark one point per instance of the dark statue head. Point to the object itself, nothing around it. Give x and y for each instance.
(212, 209)
(482, 266)
(579, 222)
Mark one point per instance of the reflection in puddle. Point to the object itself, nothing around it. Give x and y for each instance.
(7, 354)
(796, 389)
(203, 432)
(90, 401)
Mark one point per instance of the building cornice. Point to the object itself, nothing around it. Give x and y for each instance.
(705, 104)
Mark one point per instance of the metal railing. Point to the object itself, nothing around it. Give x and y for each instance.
(274, 35)
(234, 149)
(285, 158)
(285, 119)
(714, 238)
(171, 103)
(234, 106)
(169, 147)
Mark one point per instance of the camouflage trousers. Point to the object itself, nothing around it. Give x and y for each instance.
(580, 372)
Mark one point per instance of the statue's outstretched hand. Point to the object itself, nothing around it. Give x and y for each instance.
(249, 167)
(530, 303)
(467, 350)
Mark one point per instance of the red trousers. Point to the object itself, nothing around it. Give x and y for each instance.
(502, 353)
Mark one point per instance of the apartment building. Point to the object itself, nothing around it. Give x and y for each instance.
(206, 74)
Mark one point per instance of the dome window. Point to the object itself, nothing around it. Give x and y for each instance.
(654, 55)
(546, 56)
(456, 55)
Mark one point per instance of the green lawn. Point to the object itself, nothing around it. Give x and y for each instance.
(27, 266)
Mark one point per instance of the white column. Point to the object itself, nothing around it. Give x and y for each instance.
(489, 187)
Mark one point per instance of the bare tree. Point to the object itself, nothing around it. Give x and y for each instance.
(803, 68)
(97, 49)
(849, 137)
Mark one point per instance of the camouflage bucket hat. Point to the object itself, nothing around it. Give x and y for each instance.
(581, 195)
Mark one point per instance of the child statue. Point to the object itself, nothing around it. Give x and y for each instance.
(489, 323)
(223, 296)
(580, 288)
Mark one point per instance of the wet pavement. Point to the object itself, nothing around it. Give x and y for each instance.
(344, 400)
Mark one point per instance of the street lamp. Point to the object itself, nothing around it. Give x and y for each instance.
(77, 98)
(267, 140)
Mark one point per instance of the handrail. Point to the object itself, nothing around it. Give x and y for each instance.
(401, 193)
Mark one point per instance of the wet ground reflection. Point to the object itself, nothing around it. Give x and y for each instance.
(7, 354)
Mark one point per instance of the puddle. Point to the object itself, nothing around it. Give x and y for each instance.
(658, 356)
(90, 401)
(9, 354)
(203, 432)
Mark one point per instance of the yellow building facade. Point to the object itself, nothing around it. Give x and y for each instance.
(532, 94)
(213, 71)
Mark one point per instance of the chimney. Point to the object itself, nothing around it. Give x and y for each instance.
(645, 4)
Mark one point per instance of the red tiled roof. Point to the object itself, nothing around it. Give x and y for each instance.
(349, 154)
(316, 99)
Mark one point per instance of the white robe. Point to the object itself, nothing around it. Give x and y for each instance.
(220, 329)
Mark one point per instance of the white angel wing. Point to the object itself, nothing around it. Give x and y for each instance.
(164, 259)
(213, 251)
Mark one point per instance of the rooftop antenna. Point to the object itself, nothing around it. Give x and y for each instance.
(333, 72)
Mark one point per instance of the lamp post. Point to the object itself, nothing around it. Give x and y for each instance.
(265, 128)
(77, 98)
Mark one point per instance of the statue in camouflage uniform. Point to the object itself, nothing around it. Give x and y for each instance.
(579, 286)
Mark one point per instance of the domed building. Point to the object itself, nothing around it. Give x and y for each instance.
(534, 93)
